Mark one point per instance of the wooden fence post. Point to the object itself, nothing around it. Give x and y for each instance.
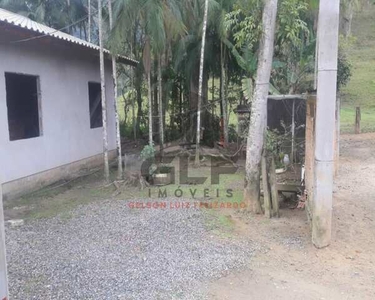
(292, 152)
(274, 191)
(266, 190)
(357, 120)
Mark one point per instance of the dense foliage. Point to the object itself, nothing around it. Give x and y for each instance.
(167, 34)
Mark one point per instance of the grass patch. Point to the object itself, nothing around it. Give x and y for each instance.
(229, 188)
(348, 119)
(219, 224)
(59, 199)
(361, 89)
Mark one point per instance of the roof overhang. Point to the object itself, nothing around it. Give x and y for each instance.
(34, 31)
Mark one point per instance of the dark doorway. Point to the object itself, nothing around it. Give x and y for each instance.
(96, 118)
(22, 97)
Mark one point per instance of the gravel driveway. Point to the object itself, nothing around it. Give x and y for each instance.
(106, 250)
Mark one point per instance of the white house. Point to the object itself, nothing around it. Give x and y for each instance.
(50, 109)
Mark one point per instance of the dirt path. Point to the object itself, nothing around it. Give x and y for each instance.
(289, 267)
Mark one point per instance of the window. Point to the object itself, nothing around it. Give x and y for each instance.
(22, 98)
(95, 97)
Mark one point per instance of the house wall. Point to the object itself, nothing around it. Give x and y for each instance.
(64, 72)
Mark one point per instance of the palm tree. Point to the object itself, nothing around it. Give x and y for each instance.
(147, 66)
(148, 14)
(114, 75)
(89, 20)
(258, 125)
(174, 28)
(59, 14)
(157, 23)
(225, 7)
(200, 91)
(104, 100)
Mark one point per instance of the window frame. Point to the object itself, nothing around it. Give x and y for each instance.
(100, 104)
(39, 104)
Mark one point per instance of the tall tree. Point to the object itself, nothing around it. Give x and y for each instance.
(200, 90)
(160, 99)
(89, 20)
(258, 122)
(114, 75)
(156, 21)
(103, 87)
(147, 66)
(223, 88)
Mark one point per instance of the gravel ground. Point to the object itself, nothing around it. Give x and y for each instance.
(106, 250)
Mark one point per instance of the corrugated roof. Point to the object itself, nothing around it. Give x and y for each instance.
(26, 23)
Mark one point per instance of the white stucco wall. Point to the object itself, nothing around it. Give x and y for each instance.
(66, 137)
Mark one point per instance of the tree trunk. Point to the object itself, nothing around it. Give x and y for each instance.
(138, 81)
(223, 95)
(181, 119)
(212, 103)
(114, 75)
(104, 100)
(147, 66)
(150, 140)
(134, 121)
(160, 98)
(89, 22)
(258, 124)
(200, 90)
(155, 103)
(193, 102)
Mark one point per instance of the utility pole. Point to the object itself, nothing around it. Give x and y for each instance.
(3, 263)
(328, 33)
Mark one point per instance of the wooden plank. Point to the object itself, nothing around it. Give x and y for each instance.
(293, 132)
(309, 149)
(274, 190)
(286, 97)
(289, 188)
(266, 190)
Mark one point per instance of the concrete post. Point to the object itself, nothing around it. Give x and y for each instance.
(328, 30)
(3, 264)
(337, 136)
